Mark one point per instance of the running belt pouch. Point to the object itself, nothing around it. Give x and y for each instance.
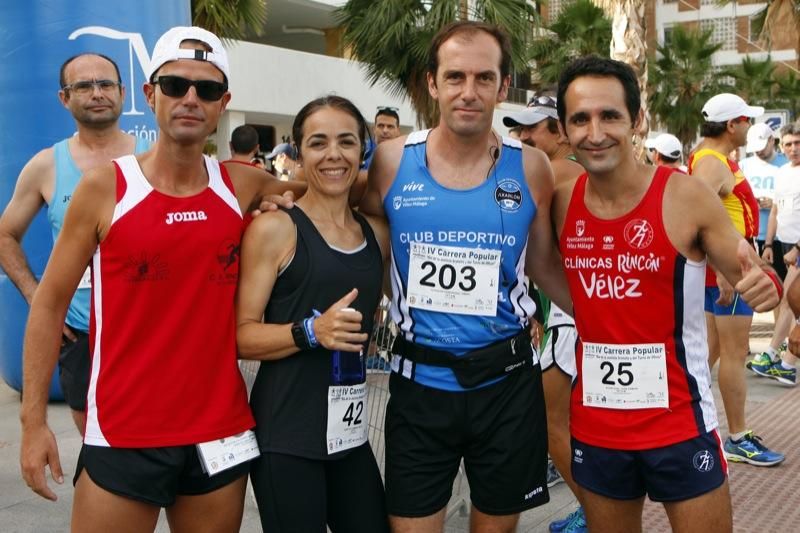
(476, 367)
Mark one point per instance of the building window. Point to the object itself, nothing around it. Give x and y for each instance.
(751, 32)
(723, 31)
(668, 34)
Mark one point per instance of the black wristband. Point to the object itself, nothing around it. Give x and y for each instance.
(767, 245)
(299, 336)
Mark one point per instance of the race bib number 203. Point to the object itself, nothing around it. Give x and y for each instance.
(452, 279)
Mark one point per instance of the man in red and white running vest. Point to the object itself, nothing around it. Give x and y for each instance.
(634, 241)
(168, 424)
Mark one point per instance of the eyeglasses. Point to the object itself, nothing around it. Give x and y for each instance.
(543, 101)
(86, 87)
(177, 87)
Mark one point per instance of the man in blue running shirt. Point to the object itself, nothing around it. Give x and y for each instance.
(469, 216)
(92, 91)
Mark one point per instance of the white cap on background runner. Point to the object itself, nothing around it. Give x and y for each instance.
(726, 106)
(665, 144)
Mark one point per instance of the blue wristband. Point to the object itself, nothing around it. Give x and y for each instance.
(308, 326)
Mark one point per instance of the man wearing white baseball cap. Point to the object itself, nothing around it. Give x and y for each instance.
(728, 317)
(665, 150)
(760, 168)
(168, 423)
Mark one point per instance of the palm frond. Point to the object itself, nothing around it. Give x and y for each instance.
(230, 19)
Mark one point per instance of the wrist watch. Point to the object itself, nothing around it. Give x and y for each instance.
(299, 336)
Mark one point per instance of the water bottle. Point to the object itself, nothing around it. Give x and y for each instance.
(348, 368)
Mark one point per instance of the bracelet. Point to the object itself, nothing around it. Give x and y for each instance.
(308, 328)
(767, 245)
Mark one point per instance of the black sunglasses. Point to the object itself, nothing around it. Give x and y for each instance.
(388, 108)
(543, 101)
(177, 87)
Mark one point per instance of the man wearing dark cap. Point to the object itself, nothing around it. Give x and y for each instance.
(284, 164)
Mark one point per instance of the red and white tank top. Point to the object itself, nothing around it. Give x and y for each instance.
(164, 367)
(642, 358)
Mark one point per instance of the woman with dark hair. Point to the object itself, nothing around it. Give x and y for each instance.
(314, 274)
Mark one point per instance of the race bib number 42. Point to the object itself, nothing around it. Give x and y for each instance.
(451, 279)
(624, 376)
(348, 422)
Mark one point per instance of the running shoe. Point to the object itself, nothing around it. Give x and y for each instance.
(760, 364)
(782, 375)
(553, 475)
(575, 522)
(750, 450)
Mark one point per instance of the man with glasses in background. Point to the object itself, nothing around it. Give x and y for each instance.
(92, 91)
(728, 318)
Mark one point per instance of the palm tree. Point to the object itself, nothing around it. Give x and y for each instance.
(755, 80)
(628, 36)
(787, 92)
(391, 38)
(682, 80)
(777, 16)
(230, 19)
(580, 29)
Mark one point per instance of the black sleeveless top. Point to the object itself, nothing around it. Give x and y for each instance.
(290, 395)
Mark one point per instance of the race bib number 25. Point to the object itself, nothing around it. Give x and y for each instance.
(624, 376)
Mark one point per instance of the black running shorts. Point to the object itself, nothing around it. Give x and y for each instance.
(152, 475)
(73, 371)
(500, 432)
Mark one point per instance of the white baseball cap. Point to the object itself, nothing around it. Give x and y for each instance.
(529, 116)
(758, 136)
(168, 48)
(665, 144)
(726, 106)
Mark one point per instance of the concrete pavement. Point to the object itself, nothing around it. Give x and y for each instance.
(760, 495)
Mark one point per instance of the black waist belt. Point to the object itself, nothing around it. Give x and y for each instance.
(475, 367)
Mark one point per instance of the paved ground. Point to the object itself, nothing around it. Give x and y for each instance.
(763, 498)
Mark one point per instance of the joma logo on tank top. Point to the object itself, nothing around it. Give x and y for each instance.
(186, 216)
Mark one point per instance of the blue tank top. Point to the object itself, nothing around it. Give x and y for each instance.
(67, 175)
(451, 230)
